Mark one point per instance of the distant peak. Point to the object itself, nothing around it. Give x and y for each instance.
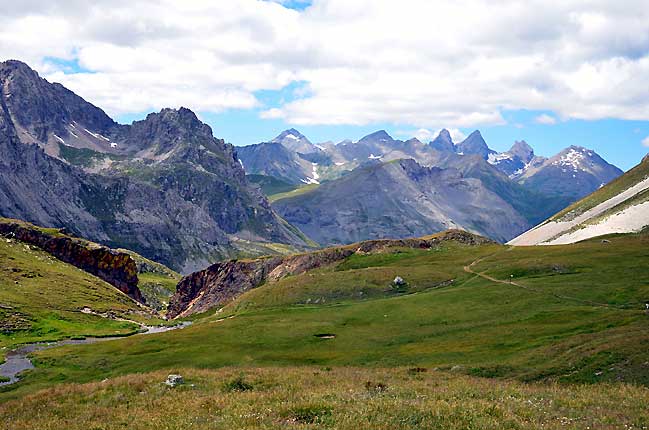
(445, 134)
(291, 133)
(15, 66)
(377, 135)
(522, 150)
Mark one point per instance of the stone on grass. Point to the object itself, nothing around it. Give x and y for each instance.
(174, 380)
(398, 281)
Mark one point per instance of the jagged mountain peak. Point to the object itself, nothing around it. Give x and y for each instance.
(41, 110)
(522, 150)
(443, 141)
(291, 133)
(475, 144)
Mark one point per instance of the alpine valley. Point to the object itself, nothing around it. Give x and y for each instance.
(153, 276)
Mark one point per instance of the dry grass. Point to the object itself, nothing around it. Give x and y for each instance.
(340, 398)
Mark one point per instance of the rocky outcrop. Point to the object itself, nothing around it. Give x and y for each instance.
(116, 268)
(222, 282)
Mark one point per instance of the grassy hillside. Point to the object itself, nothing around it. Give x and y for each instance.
(323, 398)
(41, 299)
(270, 185)
(296, 192)
(570, 314)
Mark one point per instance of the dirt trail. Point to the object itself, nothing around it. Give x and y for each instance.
(469, 269)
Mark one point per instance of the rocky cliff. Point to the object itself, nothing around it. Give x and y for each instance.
(116, 268)
(222, 282)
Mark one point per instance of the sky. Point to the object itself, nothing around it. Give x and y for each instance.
(554, 73)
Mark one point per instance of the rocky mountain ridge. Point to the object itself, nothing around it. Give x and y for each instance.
(163, 187)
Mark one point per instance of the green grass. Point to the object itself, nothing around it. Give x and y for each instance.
(41, 299)
(85, 157)
(297, 192)
(576, 316)
(270, 185)
(320, 398)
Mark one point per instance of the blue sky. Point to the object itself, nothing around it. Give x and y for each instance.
(618, 141)
(552, 73)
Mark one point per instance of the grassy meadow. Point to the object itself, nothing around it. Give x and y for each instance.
(565, 323)
(326, 398)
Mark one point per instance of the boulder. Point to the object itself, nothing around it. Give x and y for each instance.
(174, 380)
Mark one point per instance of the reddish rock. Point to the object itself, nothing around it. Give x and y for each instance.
(116, 268)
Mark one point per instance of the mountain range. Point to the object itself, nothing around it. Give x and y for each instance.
(517, 184)
(164, 186)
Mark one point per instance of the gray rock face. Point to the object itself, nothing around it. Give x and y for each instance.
(169, 190)
(400, 199)
(474, 144)
(443, 142)
(275, 160)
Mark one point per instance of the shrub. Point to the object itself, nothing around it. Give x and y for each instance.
(237, 384)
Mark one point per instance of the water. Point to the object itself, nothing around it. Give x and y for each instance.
(18, 361)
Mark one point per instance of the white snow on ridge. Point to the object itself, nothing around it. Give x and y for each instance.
(572, 159)
(497, 158)
(339, 164)
(97, 135)
(291, 137)
(58, 138)
(375, 157)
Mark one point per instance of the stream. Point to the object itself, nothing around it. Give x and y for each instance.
(17, 360)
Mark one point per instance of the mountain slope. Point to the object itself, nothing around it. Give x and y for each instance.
(399, 199)
(619, 207)
(275, 160)
(163, 187)
(575, 172)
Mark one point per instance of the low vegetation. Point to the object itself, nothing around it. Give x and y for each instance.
(339, 398)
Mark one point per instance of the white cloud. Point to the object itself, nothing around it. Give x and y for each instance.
(414, 62)
(426, 135)
(645, 141)
(545, 119)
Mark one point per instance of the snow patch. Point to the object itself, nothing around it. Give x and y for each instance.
(316, 176)
(497, 158)
(58, 138)
(291, 137)
(375, 157)
(572, 159)
(113, 145)
(97, 135)
(241, 162)
(339, 164)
